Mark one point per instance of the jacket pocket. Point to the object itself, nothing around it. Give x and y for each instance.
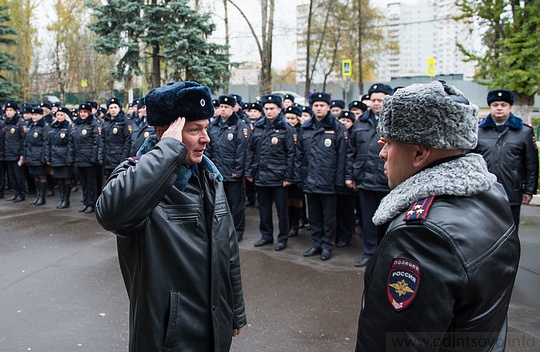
(181, 214)
(172, 329)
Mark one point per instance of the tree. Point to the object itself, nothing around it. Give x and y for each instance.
(8, 88)
(510, 58)
(168, 33)
(264, 46)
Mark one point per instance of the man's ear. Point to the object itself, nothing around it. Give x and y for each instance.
(422, 157)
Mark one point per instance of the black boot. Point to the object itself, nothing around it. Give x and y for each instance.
(67, 193)
(61, 195)
(296, 214)
(41, 188)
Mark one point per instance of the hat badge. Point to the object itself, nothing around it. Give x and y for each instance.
(375, 86)
(203, 102)
(500, 94)
(320, 95)
(226, 99)
(269, 98)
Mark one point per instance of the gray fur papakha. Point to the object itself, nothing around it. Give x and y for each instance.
(433, 115)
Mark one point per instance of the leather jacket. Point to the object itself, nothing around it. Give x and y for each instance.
(511, 155)
(177, 250)
(437, 274)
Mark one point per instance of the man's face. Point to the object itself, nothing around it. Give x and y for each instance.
(399, 158)
(10, 112)
(195, 137)
(336, 111)
(254, 114)
(500, 111)
(142, 111)
(114, 110)
(226, 111)
(376, 102)
(320, 109)
(357, 112)
(271, 111)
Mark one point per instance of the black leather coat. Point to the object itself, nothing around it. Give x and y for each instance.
(511, 155)
(465, 277)
(270, 153)
(178, 252)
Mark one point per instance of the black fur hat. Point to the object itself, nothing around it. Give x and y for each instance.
(271, 98)
(319, 96)
(227, 100)
(500, 95)
(178, 99)
(358, 104)
(338, 103)
(297, 110)
(380, 88)
(256, 106)
(347, 115)
(114, 101)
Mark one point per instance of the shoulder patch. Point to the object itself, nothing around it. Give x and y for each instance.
(419, 210)
(133, 160)
(245, 132)
(403, 282)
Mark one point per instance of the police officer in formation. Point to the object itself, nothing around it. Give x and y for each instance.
(270, 165)
(12, 151)
(115, 141)
(140, 129)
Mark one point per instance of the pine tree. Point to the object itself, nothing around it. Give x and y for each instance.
(510, 59)
(169, 34)
(7, 88)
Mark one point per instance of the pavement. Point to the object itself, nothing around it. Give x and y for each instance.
(61, 287)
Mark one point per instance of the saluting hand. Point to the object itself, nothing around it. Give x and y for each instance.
(175, 129)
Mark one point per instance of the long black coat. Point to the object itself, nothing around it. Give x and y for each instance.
(270, 153)
(115, 142)
(321, 153)
(178, 252)
(13, 138)
(36, 143)
(84, 139)
(59, 153)
(511, 155)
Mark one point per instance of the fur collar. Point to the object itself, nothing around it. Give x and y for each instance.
(185, 172)
(328, 123)
(512, 122)
(121, 117)
(462, 177)
(60, 125)
(279, 123)
(87, 120)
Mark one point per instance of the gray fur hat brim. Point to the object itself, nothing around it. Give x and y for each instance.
(434, 115)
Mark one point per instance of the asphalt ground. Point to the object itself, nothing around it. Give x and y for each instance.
(61, 288)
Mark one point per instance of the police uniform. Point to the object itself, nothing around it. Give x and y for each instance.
(320, 167)
(227, 149)
(35, 146)
(270, 162)
(13, 150)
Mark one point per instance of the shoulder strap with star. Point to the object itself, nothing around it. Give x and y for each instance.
(418, 211)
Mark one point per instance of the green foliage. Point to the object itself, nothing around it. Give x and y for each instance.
(168, 32)
(512, 36)
(7, 87)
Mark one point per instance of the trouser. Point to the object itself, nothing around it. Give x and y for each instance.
(88, 178)
(267, 197)
(235, 197)
(369, 202)
(516, 211)
(16, 179)
(322, 219)
(345, 217)
(2, 177)
(251, 192)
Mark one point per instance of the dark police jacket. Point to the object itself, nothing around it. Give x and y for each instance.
(511, 155)
(321, 153)
(58, 153)
(178, 252)
(270, 153)
(13, 138)
(115, 142)
(228, 145)
(363, 163)
(139, 130)
(84, 139)
(36, 143)
(437, 275)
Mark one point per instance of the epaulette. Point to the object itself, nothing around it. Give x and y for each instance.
(527, 124)
(418, 211)
(133, 160)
